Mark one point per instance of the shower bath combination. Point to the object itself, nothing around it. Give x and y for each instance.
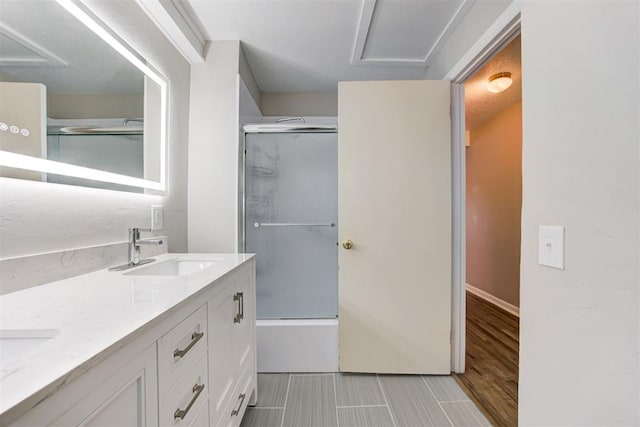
(289, 216)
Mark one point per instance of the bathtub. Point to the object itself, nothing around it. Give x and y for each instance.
(297, 345)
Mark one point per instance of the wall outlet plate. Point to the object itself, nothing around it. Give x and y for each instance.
(551, 246)
(156, 218)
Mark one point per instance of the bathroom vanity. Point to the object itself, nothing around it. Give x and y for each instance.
(166, 343)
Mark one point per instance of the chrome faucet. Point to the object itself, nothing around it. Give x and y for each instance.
(134, 249)
(134, 245)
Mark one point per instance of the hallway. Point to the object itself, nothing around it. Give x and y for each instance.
(491, 374)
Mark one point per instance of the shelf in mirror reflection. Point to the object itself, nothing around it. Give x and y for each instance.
(93, 130)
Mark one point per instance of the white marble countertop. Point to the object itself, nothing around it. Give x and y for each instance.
(89, 315)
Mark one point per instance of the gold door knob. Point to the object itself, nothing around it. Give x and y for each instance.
(347, 244)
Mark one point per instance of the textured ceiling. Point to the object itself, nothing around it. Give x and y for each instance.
(54, 48)
(480, 104)
(310, 45)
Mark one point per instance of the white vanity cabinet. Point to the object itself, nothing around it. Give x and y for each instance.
(108, 395)
(183, 374)
(195, 367)
(232, 358)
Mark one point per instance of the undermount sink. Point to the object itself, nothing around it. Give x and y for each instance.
(15, 343)
(174, 267)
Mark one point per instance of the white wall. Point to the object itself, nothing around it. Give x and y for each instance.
(213, 150)
(41, 217)
(299, 104)
(92, 106)
(248, 78)
(579, 335)
(479, 16)
(220, 103)
(248, 110)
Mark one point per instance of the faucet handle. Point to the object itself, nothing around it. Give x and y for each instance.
(138, 230)
(134, 233)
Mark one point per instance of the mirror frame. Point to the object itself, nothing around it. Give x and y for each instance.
(36, 164)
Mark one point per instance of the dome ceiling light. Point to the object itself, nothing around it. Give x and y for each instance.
(499, 82)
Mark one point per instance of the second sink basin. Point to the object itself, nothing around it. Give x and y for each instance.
(174, 267)
(15, 343)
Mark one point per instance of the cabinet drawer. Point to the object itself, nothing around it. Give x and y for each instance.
(237, 405)
(184, 402)
(180, 348)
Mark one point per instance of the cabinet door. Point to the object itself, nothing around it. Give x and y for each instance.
(243, 328)
(202, 419)
(221, 313)
(127, 398)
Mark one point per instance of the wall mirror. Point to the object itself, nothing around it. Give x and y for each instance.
(77, 105)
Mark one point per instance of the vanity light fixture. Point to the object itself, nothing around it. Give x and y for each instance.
(499, 82)
(76, 11)
(21, 161)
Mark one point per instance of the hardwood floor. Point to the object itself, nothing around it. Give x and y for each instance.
(491, 374)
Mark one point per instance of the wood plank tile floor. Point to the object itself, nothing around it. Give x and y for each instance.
(360, 400)
(491, 372)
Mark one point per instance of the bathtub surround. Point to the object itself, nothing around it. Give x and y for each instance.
(297, 345)
(26, 271)
(39, 217)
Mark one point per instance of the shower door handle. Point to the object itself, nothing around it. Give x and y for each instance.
(292, 224)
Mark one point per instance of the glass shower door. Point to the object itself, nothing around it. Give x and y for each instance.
(291, 213)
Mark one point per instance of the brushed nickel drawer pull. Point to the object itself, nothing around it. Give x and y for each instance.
(195, 337)
(181, 413)
(235, 412)
(240, 313)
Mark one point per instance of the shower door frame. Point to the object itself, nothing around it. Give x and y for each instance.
(268, 128)
(242, 163)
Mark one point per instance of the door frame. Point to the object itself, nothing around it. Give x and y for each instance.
(499, 34)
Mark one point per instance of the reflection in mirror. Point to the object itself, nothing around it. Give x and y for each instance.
(68, 96)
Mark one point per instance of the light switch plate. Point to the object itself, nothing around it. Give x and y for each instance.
(156, 217)
(551, 246)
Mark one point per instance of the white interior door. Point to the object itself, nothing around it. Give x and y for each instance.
(394, 202)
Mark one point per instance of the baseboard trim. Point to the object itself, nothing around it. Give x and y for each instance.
(509, 308)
